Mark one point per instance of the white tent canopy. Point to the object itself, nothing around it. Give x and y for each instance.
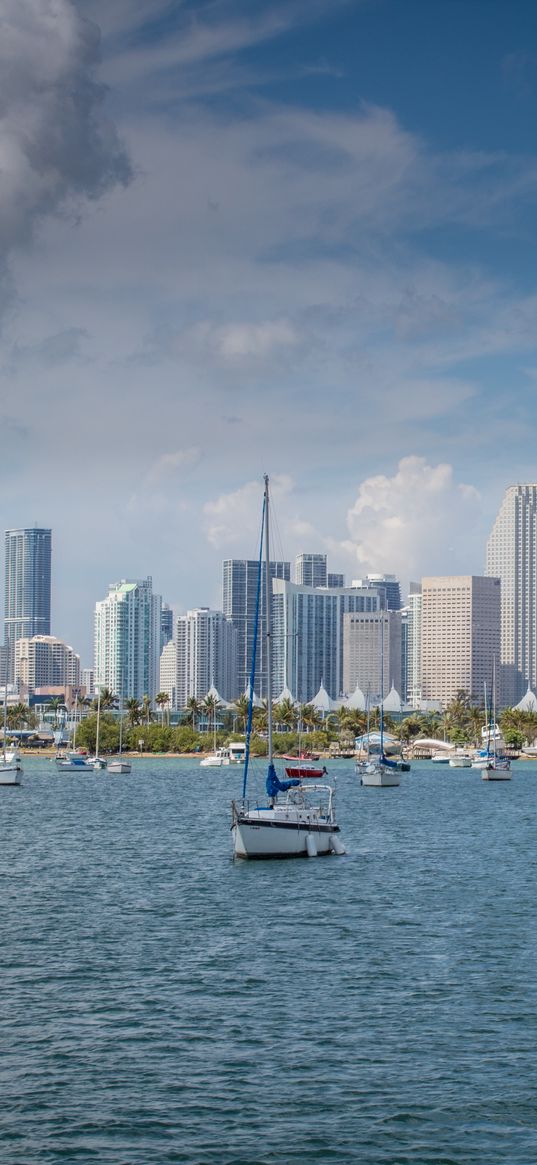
(356, 700)
(215, 694)
(323, 702)
(257, 703)
(528, 702)
(392, 702)
(285, 694)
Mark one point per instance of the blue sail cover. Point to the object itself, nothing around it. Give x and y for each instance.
(275, 786)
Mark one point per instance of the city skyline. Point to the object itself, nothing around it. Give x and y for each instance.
(255, 247)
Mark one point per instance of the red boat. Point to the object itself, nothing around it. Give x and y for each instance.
(302, 770)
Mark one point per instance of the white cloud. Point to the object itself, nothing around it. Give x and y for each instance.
(234, 518)
(419, 521)
(238, 341)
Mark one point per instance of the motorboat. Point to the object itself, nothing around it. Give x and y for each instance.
(118, 766)
(10, 768)
(460, 760)
(216, 759)
(297, 820)
(303, 771)
(74, 762)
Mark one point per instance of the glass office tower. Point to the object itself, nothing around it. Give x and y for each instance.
(27, 588)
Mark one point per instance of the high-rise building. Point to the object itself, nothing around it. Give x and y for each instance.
(44, 662)
(308, 636)
(335, 580)
(387, 585)
(372, 646)
(310, 570)
(88, 681)
(206, 655)
(127, 640)
(413, 646)
(460, 636)
(27, 588)
(239, 593)
(166, 626)
(168, 673)
(512, 557)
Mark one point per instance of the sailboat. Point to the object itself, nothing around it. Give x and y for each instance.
(498, 768)
(96, 762)
(73, 761)
(379, 772)
(10, 765)
(299, 820)
(119, 764)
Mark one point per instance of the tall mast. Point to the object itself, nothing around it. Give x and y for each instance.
(381, 684)
(268, 615)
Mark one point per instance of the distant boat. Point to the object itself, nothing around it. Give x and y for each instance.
(303, 823)
(303, 769)
(498, 767)
(119, 765)
(460, 760)
(379, 772)
(10, 762)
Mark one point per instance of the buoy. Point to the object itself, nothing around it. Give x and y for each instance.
(311, 845)
(336, 845)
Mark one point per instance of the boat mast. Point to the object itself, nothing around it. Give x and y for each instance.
(268, 615)
(5, 719)
(382, 685)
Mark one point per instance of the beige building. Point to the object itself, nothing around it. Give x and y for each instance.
(364, 633)
(460, 636)
(44, 662)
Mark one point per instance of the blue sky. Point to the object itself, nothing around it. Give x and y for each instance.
(243, 237)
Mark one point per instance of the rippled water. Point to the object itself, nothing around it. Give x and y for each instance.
(161, 1003)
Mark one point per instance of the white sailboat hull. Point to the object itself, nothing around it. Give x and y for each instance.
(496, 774)
(119, 766)
(258, 836)
(378, 777)
(10, 775)
(460, 762)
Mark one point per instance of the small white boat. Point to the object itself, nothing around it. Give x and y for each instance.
(497, 767)
(460, 760)
(74, 762)
(440, 758)
(497, 770)
(10, 769)
(118, 766)
(377, 774)
(217, 759)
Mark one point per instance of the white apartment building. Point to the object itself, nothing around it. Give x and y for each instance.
(512, 557)
(43, 661)
(310, 570)
(413, 653)
(206, 655)
(371, 645)
(168, 673)
(460, 636)
(127, 640)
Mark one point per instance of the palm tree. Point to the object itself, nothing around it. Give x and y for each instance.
(210, 706)
(54, 706)
(310, 717)
(242, 705)
(285, 714)
(134, 711)
(146, 709)
(108, 700)
(193, 709)
(162, 700)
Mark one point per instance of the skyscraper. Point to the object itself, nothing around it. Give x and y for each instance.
(206, 654)
(308, 635)
(127, 640)
(512, 557)
(310, 570)
(387, 585)
(166, 625)
(460, 635)
(413, 646)
(27, 588)
(239, 593)
(367, 635)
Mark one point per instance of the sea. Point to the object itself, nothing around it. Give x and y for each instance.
(162, 1004)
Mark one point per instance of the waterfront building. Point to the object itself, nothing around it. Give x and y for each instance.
(366, 634)
(387, 586)
(512, 557)
(206, 655)
(413, 646)
(308, 635)
(28, 554)
(460, 635)
(127, 640)
(168, 673)
(310, 570)
(166, 625)
(239, 591)
(43, 661)
(335, 580)
(404, 653)
(88, 681)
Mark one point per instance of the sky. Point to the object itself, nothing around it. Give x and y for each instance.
(241, 237)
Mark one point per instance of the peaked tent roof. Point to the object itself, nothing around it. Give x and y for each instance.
(216, 695)
(392, 702)
(356, 700)
(257, 703)
(322, 700)
(528, 702)
(285, 694)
